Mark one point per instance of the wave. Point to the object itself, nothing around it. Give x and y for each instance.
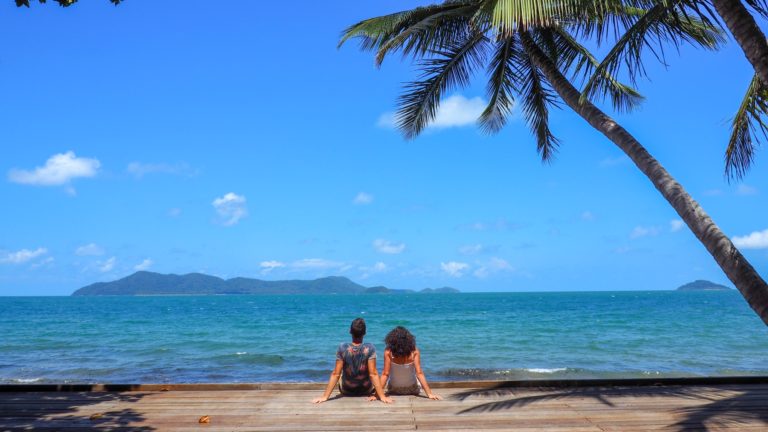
(245, 358)
(469, 374)
(24, 380)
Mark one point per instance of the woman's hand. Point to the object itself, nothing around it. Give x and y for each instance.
(321, 399)
(434, 396)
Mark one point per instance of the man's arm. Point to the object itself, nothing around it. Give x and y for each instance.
(374, 374)
(331, 382)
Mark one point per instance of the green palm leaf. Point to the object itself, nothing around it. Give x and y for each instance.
(748, 124)
(451, 68)
(623, 97)
(660, 25)
(417, 31)
(500, 86)
(536, 97)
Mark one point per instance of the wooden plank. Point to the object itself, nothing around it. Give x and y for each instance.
(734, 406)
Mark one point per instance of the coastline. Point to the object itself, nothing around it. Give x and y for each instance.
(480, 384)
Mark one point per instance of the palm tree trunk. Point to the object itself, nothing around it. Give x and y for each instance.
(730, 260)
(744, 29)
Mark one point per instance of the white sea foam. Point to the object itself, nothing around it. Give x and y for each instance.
(546, 371)
(26, 380)
(241, 353)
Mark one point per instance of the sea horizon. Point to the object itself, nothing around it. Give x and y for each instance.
(463, 336)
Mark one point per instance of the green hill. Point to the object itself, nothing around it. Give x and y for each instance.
(149, 283)
(703, 285)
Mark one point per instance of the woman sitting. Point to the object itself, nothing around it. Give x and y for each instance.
(402, 373)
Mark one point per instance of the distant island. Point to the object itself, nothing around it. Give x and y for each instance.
(702, 285)
(148, 283)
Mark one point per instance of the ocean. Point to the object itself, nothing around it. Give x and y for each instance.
(468, 336)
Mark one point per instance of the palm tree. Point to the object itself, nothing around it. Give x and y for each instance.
(745, 30)
(749, 120)
(532, 48)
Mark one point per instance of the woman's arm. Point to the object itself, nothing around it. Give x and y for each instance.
(387, 367)
(422, 379)
(331, 382)
(374, 374)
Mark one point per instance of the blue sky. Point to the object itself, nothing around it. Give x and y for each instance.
(237, 140)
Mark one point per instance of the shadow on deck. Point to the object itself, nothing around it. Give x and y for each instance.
(75, 411)
(708, 408)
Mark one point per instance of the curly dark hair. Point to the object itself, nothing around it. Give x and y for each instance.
(400, 341)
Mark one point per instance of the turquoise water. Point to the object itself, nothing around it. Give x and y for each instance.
(462, 336)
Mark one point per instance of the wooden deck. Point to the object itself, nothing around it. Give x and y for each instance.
(713, 407)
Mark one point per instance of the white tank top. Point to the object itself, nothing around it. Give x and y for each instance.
(402, 379)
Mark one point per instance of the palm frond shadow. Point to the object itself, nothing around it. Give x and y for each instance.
(748, 407)
(53, 411)
(601, 394)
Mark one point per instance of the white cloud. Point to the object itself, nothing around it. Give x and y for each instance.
(454, 111)
(22, 256)
(58, 170)
(713, 192)
(746, 190)
(363, 198)
(615, 161)
(91, 249)
(44, 262)
(316, 264)
(495, 265)
(453, 268)
(676, 225)
(622, 250)
(388, 247)
(755, 240)
(471, 249)
(144, 265)
(230, 208)
(641, 231)
(379, 267)
(587, 216)
(106, 266)
(268, 266)
(139, 170)
(500, 224)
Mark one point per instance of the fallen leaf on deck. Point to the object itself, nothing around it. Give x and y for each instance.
(96, 416)
(204, 419)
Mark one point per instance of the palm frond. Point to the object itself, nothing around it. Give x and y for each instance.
(748, 123)
(658, 26)
(432, 33)
(500, 86)
(623, 97)
(449, 69)
(416, 31)
(759, 6)
(536, 97)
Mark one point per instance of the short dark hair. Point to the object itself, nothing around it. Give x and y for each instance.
(357, 329)
(400, 341)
